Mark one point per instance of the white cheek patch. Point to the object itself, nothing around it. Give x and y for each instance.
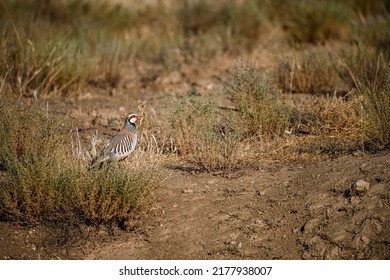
(133, 119)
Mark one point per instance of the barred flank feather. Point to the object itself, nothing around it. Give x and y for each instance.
(122, 144)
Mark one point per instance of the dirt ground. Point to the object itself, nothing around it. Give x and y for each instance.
(335, 209)
(289, 211)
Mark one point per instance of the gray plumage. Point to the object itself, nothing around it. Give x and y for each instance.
(122, 144)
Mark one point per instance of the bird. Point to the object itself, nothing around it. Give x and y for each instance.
(122, 144)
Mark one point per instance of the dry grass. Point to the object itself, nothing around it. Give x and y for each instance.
(363, 63)
(263, 113)
(315, 21)
(202, 136)
(31, 158)
(375, 108)
(88, 41)
(312, 70)
(63, 58)
(44, 180)
(323, 46)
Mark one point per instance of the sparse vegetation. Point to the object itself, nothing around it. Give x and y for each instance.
(262, 112)
(202, 135)
(336, 48)
(375, 108)
(313, 70)
(80, 44)
(44, 181)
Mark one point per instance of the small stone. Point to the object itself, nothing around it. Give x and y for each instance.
(261, 192)
(188, 191)
(365, 240)
(360, 187)
(102, 232)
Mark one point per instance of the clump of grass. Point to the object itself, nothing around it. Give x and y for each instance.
(30, 157)
(327, 69)
(235, 23)
(314, 70)
(63, 57)
(313, 21)
(202, 136)
(375, 108)
(44, 181)
(261, 109)
(366, 63)
(330, 116)
(113, 193)
(38, 67)
(371, 30)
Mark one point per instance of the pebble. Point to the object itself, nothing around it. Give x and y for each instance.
(360, 187)
(365, 240)
(102, 232)
(188, 191)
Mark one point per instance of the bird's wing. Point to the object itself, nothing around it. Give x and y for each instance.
(121, 144)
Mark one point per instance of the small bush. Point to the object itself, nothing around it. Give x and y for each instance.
(263, 114)
(31, 158)
(112, 194)
(44, 181)
(202, 136)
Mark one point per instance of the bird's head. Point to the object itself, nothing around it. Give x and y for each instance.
(132, 118)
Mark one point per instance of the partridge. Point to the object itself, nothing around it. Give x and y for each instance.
(122, 144)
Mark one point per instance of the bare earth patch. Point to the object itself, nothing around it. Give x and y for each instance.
(281, 211)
